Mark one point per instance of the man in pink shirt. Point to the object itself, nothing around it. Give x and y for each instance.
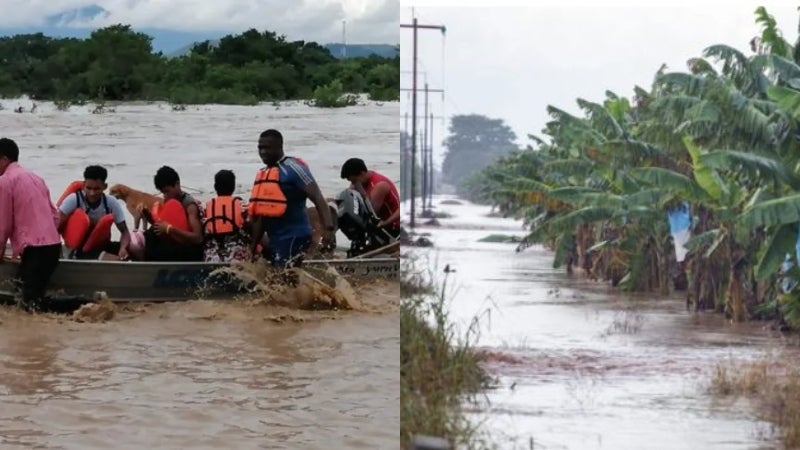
(27, 217)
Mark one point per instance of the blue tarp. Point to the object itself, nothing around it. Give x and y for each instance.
(787, 283)
(680, 220)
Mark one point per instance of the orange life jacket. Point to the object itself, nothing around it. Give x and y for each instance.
(73, 187)
(172, 212)
(78, 232)
(223, 216)
(267, 198)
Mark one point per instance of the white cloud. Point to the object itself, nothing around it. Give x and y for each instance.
(510, 63)
(321, 20)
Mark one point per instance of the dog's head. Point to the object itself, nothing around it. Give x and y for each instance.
(119, 191)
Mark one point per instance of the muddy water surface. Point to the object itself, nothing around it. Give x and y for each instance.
(581, 365)
(202, 374)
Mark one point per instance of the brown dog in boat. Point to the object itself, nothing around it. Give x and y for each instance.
(134, 200)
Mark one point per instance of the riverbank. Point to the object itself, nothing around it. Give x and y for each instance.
(26, 105)
(439, 368)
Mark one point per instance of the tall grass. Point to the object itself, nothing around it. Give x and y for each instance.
(439, 368)
(773, 386)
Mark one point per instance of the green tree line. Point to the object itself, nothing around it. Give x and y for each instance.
(117, 63)
(722, 137)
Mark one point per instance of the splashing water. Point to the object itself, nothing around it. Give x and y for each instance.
(294, 288)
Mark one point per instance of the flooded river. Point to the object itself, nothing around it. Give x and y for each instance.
(581, 365)
(202, 374)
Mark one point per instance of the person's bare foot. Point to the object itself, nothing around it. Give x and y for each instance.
(108, 257)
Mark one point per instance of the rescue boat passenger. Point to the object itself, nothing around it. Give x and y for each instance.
(377, 189)
(177, 234)
(278, 204)
(93, 238)
(225, 237)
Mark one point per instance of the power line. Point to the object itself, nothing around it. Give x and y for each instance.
(415, 26)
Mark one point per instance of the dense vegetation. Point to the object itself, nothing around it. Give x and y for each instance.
(117, 63)
(723, 137)
(439, 368)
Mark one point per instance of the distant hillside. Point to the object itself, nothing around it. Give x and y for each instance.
(164, 41)
(71, 24)
(353, 50)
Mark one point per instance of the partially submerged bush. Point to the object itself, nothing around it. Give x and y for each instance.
(332, 95)
(772, 385)
(438, 368)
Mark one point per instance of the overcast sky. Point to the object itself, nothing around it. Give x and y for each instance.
(511, 62)
(368, 21)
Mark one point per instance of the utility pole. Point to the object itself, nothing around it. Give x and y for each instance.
(415, 26)
(425, 150)
(430, 164)
(405, 177)
(344, 39)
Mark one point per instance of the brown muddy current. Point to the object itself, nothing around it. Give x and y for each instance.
(581, 365)
(203, 374)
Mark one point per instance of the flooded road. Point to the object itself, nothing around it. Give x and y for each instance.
(581, 365)
(202, 374)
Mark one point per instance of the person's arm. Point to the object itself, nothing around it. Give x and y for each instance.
(124, 240)
(304, 180)
(378, 195)
(193, 237)
(53, 210)
(257, 234)
(390, 220)
(6, 219)
(68, 206)
(313, 192)
(122, 226)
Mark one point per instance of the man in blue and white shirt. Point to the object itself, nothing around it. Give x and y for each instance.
(97, 204)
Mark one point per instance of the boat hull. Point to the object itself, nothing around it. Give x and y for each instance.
(172, 281)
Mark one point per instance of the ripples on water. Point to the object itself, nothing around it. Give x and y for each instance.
(203, 374)
(582, 365)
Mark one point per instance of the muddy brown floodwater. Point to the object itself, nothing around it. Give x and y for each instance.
(581, 365)
(203, 374)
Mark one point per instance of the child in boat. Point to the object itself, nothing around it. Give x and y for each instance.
(177, 234)
(224, 233)
(92, 238)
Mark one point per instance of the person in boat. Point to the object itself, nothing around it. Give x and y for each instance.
(224, 232)
(277, 204)
(86, 215)
(29, 220)
(176, 233)
(378, 190)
